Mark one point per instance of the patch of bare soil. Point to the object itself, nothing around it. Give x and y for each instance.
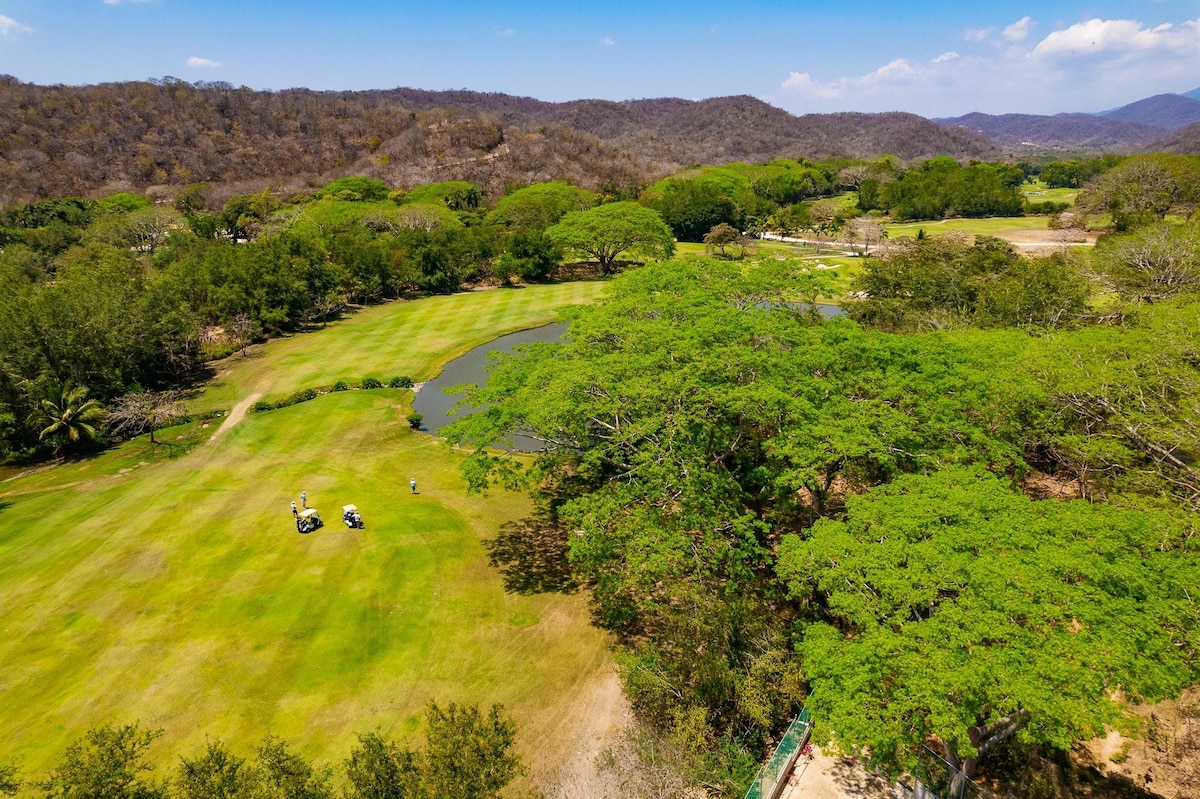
(1046, 486)
(236, 415)
(597, 725)
(1164, 760)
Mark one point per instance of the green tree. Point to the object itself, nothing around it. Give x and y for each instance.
(66, 415)
(954, 609)
(10, 782)
(283, 774)
(692, 416)
(1144, 189)
(945, 281)
(468, 753)
(379, 769)
(608, 231)
(109, 762)
(720, 237)
(215, 773)
(1151, 264)
(534, 208)
(356, 189)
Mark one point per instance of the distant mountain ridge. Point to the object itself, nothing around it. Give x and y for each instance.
(1169, 111)
(718, 130)
(1130, 128)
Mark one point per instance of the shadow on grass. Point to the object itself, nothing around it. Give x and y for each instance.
(531, 554)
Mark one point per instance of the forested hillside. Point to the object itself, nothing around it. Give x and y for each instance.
(62, 140)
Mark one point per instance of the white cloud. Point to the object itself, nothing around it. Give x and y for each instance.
(891, 73)
(1089, 66)
(9, 25)
(977, 34)
(1019, 30)
(202, 63)
(1121, 37)
(608, 41)
(506, 32)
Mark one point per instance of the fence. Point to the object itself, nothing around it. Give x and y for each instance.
(772, 777)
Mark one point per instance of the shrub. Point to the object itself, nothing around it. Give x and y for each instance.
(370, 382)
(414, 420)
(400, 382)
(340, 386)
(260, 406)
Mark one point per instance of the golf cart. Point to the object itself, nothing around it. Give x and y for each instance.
(308, 520)
(351, 517)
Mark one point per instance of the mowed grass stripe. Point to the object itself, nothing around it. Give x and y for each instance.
(412, 338)
(178, 592)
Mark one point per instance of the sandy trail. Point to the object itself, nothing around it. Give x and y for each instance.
(236, 415)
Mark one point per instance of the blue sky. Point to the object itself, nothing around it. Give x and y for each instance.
(931, 58)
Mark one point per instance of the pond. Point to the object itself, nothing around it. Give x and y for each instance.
(432, 401)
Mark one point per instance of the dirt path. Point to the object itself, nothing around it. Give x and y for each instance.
(236, 415)
(595, 724)
(827, 777)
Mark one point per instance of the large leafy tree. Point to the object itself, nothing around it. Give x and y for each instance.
(1125, 405)
(608, 231)
(954, 609)
(691, 416)
(951, 280)
(534, 208)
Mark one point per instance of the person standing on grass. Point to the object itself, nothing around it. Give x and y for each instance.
(304, 499)
(412, 483)
(294, 511)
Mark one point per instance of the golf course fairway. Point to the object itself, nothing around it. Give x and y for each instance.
(175, 591)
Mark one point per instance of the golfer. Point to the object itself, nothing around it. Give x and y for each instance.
(304, 499)
(412, 483)
(294, 511)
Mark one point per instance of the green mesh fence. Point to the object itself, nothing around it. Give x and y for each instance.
(780, 764)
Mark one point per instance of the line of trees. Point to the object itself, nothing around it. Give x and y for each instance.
(119, 297)
(467, 752)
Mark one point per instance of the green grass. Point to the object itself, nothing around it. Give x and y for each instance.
(1039, 192)
(176, 591)
(991, 226)
(412, 338)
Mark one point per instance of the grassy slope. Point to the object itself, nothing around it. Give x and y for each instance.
(177, 592)
(1003, 226)
(406, 338)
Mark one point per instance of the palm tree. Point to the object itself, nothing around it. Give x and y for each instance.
(67, 412)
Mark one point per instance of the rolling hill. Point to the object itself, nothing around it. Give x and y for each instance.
(62, 140)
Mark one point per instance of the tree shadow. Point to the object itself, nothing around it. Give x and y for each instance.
(531, 554)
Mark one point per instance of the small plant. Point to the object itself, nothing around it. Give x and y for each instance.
(370, 382)
(1122, 754)
(400, 382)
(261, 405)
(341, 386)
(414, 420)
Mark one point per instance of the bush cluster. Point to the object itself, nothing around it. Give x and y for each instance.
(304, 395)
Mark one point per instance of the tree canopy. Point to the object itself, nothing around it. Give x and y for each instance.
(953, 608)
(608, 231)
